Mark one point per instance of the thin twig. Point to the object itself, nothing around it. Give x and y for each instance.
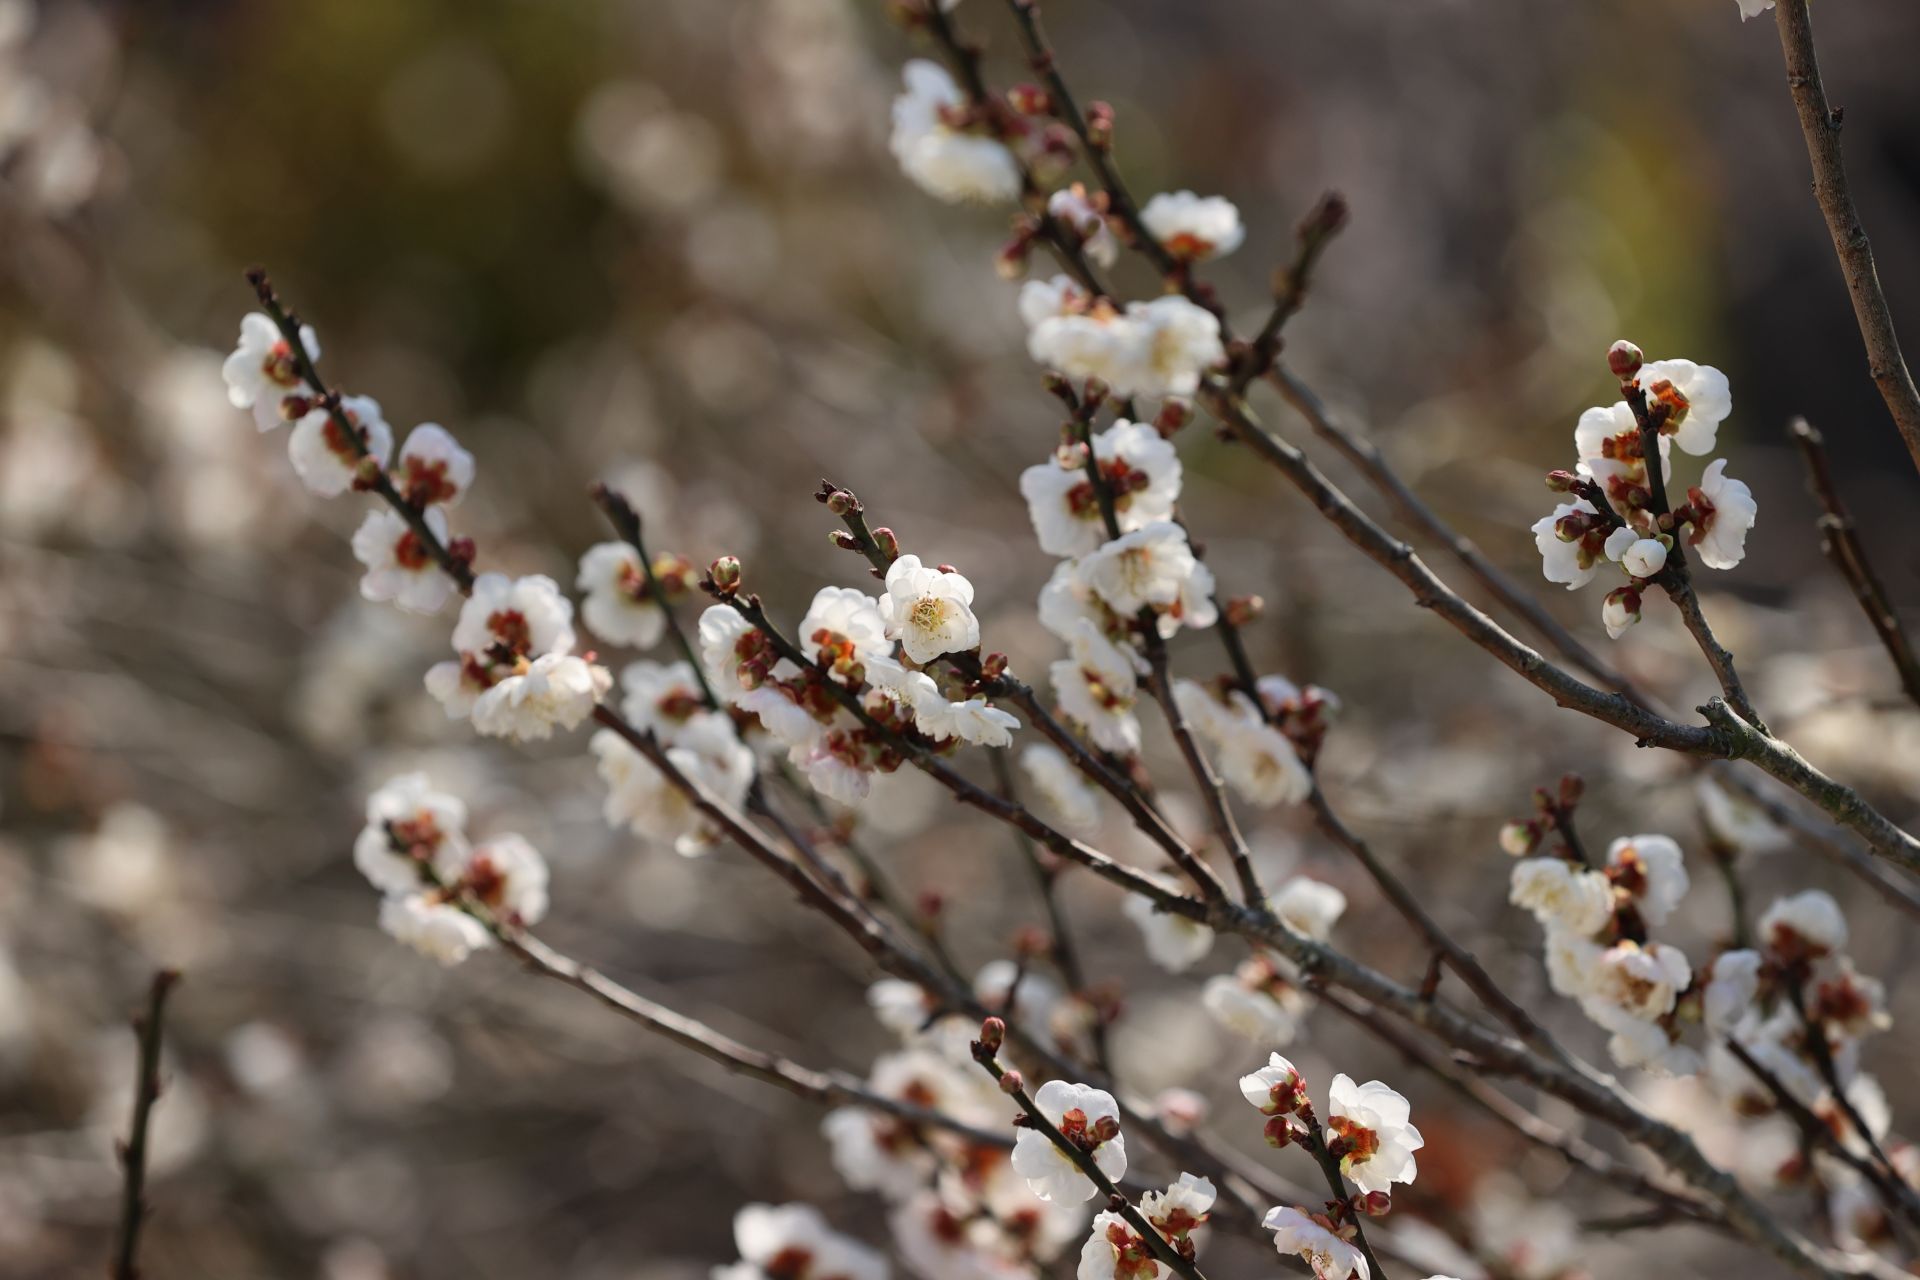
(133, 1152)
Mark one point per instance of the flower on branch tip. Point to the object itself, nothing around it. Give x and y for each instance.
(1651, 872)
(399, 566)
(1298, 1233)
(1369, 1129)
(1571, 543)
(556, 690)
(1194, 228)
(1184, 1205)
(433, 470)
(930, 611)
(505, 874)
(945, 145)
(327, 458)
(1159, 348)
(1089, 1119)
(410, 827)
(1276, 1089)
(263, 375)
(433, 927)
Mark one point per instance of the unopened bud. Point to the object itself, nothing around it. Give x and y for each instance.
(1031, 941)
(1562, 481)
(1244, 610)
(889, 544)
(1374, 1204)
(1279, 1131)
(931, 903)
(1518, 839)
(1105, 1129)
(1030, 100)
(1624, 359)
(841, 502)
(1572, 787)
(993, 1034)
(1326, 217)
(1012, 1083)
(1100, 124)
(462, 550)
(725, 573)
(843, 540)
(1093, 391)
(993, 666)
(1174, 414)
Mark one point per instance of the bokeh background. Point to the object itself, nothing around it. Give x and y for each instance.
(661, 242)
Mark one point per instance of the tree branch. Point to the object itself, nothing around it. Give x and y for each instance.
(133, 1152)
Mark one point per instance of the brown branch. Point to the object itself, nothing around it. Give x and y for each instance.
(1841, 544)
(626, 522)
(133, 1152)
(1820, 124)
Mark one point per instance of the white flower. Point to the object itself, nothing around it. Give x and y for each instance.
(505, 873)
(1619, 611)
(639, 796)
(1114, 1252)
(940, 1238)
(1734, 820)
(260, 373)
(1726, 510)
(1805, 926)
(844, 614)
(505, 624)
(1644, 1044)
(1044, 1228)
(408, 823)
(1183, 1206)
(1275, 1089)
(1309, 907)
(1180, 342)
(433, 469)
(617, 605)
(929, 611)
(1372, 1121)
(1193, 228)
(1297, 1233)
(556, 689)
(399, 566)
(1035, 995)
(1152, 568)
(1573, 963)
(1697, 395)
(1077, 1111)
(1753, 8)
(1068, 796)
(1066, 601)
(1256, 759)
(1174, 942)
(1572, 563)
(1260, 1015)
(1095, 686)
(725, 639)
(793, 1242)
(434, 928)
(946, 162)
(973, 720)
(1731, 989)
(1562, 897)
(1652, 871)
(1157, 348)
(1644, 558)
(660, 698)
(900, 1006)
(1138, 467)
(324, 456)
(1645, 981)
(1072, 206)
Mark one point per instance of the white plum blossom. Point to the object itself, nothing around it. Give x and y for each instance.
(1564, 562)
(261, 373)
(706, 751)
(1573, 963)
(1173, 942)
(1138, 467)
(1644, 558)
(1753, 8)
(661, 698)
(1309, 907)
(1562, 897)
(615, 602)
(946, 160)
(1157, 348)
(900, 1006)
(1181, 341)
(724, 637)
(1644, 981)
(793, 1242)
(505, 873)
(1254, 1004)
(1297, 1233)
(1697, 396)
(1068, 796)
(1077, 1111)
(1072, 206)
(1194, 228)
(1153, 568)
(1734, 820)
(850, 615)
(324, 455)
(555, 690)
(930, 611)
(1807, 925)
(1731, 988)
(400, 569)
(1114, 1252)
(1652, 872)
(1183, 1206)
(1373, 1126)
(1643, 1043)
(409, 824)
(1620, 611)
(1725, 510)
(1096, 686)
(1275, 1089)
(971, 720)
(939, 1237)
(433, 470)
(1256, 759)
(433, 927)
(515, 675)
(1066, 601)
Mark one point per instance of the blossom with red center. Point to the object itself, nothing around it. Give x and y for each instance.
(1089, 1119)
(262, 374)
(432, 470)
(1372, 1133)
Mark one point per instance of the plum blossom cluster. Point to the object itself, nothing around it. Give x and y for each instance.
(515, 674)
(1156, 349)
(1263, 1000)
(1618, 512)
(1368, 1138)
(440, 894)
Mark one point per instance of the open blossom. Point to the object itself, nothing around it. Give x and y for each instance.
(1180, 342)
(1174, 942)
(1256, 759)
(972, 719)
(324, 455)
(616, 603)
(706, 750)
(1309, 907)
(1096, 686)
(793, 1242)
(661, 698)
(409, 824)
(726, 641)
(433, 927)
(946, 159)
(1087, 1117)
(1138, 467)
(1731, 988)
(1724, 510)
(432, 470)
(1561, 896)
(1652, 872)
(1077, 210)
(1375, 1137)
(1697, 397)
(505, 624)
(1068, 796)
(1645, 981)
(930, 611)
(505, 874)
(399, 566)
(1255, 1003)
(555, 690)
(1153, 568)
(1114, 1252)
(1194, 228)
(261, 373)
(940, 1237)
(1573, 962)
(1647, 1044)
(1571, 562)
(1849, 1004)
(1275, 1089)
(1805, 926)
(1297, 1233)
(1184, 1205)
(1157, 348)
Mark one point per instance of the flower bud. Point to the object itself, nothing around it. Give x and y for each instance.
(1031, 941)
(1100, 124)
(1243, 610)
(1624, 359)
(1572, 787)
(1374, 1204)
(1012, 1083)
(1030, 99)
(462, 550)
(841, 502)
(993, 666)
(1518, 839)
(1620, 610)
(725, 574)
(1174, 414)
(1105, 1129)
(889, 544)
(1562, 481)
(843, 540)
(1326, 217)
(1645, 558)
(1279, 1131)
(993, 1034)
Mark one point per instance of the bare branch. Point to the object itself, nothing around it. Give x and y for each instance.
(133, 1153)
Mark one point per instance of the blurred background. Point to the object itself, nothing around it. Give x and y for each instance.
(661, 242)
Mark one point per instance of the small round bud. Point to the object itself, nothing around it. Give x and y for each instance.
(1374, 1204)
(843, 540)
(1105, 1129)
(1518, 839)
(1572, 787)
(1562, 481)
(1012, 1083)
(930, 904)
(1030, 100)
(889, 543)
(1624, 359)
(1174, 414)
(1644, 558)
(1326, 217)
(462, 550)
(725, 573)
(993, 1034)
(1244, 610)
(1279, 1131)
